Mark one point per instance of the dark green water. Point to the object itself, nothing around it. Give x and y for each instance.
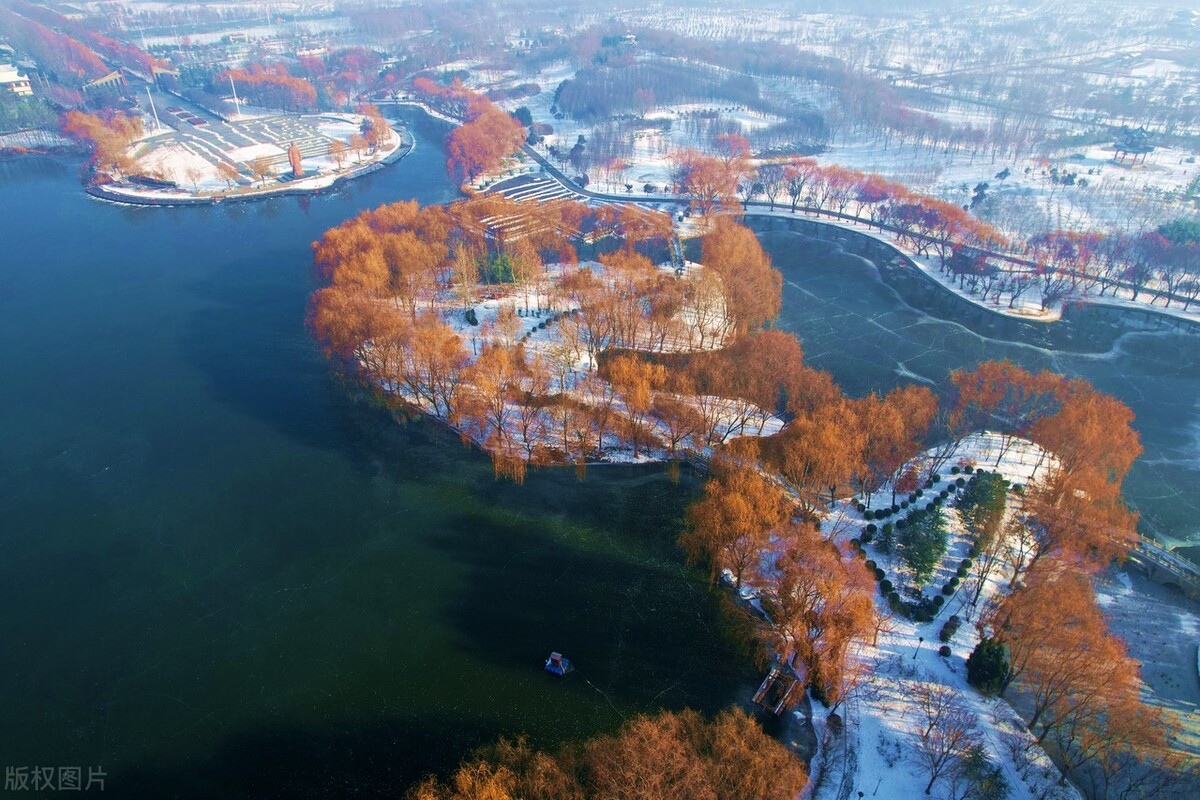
(221, 577)
(872, 337)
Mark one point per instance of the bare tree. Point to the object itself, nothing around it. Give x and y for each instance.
(948, 733)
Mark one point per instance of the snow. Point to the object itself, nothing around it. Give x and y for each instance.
(876, 753)
(534, 307)
(253, 151)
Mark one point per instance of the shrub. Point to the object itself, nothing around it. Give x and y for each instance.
(918, 493)
(936, 478)
(987, 666)
(967, 563)
(895, 508)
(944, 493)
(885, 587)
(962, 572)
(868, 514)
(900, 523)
(912, 498)
(955, 470)
(872, 528)
(944, 651)
(870, 564)
(953, 582)
(938, 602)
(879, 574)
(862, 509)
(893, 599)
(974, 551)
(929, 483)
(960, 483)
(904, 504)
(866, 537)
(968, 469)
(888, 527)
(947, 589)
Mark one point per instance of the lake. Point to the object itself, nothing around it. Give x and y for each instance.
(224, 575)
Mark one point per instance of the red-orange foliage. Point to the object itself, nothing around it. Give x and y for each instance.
(109, 135)
(821, 602)
(270, 86)
(488, 133)
(669, 756)
(750, 285)
(482, 144)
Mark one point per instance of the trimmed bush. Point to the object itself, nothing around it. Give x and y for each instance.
(871, 528)
(893, 599)
(947, 589)
(936, 478)
(962, 572)
(918, 493)
(987, 666)
(867, 536)
(862, 509)
(944, 651)
(888, 527)
(954, 582)
(870, 564)
(1018, 488)
(879, 574)
(944, 493)
(967, 563)
(929, 483)
(968, 469)
(885, 587)
(912, 498)
(960, 483)
(895, 509)
(868, 514)
(904, 504)
(900, 523)
(938, 602)
(955, 469)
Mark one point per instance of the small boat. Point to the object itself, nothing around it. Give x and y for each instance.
(559, 664)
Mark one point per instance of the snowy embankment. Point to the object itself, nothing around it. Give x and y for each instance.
(877, 752)
(1027, 307)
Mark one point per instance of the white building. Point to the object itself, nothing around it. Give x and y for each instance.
(13, 81)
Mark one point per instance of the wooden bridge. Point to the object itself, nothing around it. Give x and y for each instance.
(777, 689)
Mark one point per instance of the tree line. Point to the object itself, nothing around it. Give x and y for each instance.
(487, 135)
(271, 86)
(397, 276)
(1061, 265)
(667, 756)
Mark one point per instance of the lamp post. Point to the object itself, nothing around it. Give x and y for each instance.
(920, 641)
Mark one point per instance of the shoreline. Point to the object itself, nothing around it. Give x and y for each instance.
(1178, 321)
(105, 191)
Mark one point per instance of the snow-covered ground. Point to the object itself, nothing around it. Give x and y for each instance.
(542, 317)
(876, 754)
(190, 159)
